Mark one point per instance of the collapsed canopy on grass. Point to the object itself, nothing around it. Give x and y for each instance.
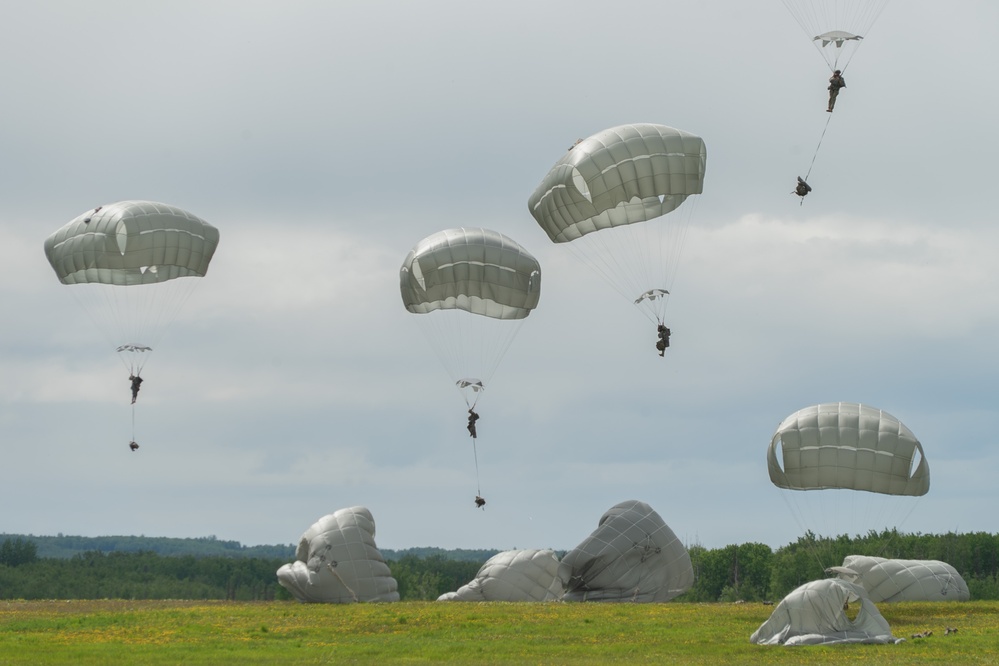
(513, 575)
(631, 556)
(337, 562)
(904, 580)
(816, 614)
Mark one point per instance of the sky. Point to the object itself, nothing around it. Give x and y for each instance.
(324, 139)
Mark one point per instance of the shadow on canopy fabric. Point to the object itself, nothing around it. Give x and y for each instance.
(904, 580)
(513, 575)
(631, 556)
(337, 562)
(815, 614)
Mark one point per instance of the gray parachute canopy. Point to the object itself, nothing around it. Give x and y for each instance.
(847, 445)
(836, 27)
(513, 575)
(631, 556)
(904, 580)
(613, 200)
(814, 614)
(132, 265)
(337, 562)
(476, 270)
(622, 175)
(131, 243)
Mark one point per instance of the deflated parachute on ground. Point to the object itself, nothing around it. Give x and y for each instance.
(337, 562)
(513, 575)
(607, 197)
(631, 556)
(815, 614)
(850, 446)
(904, 580)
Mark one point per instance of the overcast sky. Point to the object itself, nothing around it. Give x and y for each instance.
(324, 139)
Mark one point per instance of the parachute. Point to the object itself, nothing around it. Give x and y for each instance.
(125, 262)
(337, 562)
(903, 580)
(816, 614)
(615, 200)
(847, 467)
(472, 289)
(836, 27)
(631, 556)
(513, 575)
(132, 265)
(850, 446)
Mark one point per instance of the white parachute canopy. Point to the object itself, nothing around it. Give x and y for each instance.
(631, 556)
(472, 288)
(816, 614)
(132, 265)
(904, 580)
(513, 575)
(337, 562)
(615, 199)
(848, 467)
(836, 27)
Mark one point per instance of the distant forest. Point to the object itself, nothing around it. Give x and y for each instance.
(65, 547)
(67, 567)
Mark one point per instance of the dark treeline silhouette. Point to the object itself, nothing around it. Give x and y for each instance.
(66, 546)
(749, 571)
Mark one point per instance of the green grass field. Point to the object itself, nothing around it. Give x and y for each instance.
(175, 632)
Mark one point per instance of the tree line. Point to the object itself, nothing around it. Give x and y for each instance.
(749, 571)
(755, 572)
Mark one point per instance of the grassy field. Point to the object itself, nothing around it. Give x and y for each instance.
(174, 632)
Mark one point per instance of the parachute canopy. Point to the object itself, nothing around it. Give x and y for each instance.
(613, 199)
(337, 562)
(836, 27)
(904, 580)
(814, 614)
(479, 271)
(513, 575)
(836, 37)
(850, 446)
(132, 265)
(622, 175)
(132, 243)
(631, 556)
(472, 288)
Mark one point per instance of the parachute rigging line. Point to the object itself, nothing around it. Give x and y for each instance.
(475, 454)
(333, 570)
(824, 129)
